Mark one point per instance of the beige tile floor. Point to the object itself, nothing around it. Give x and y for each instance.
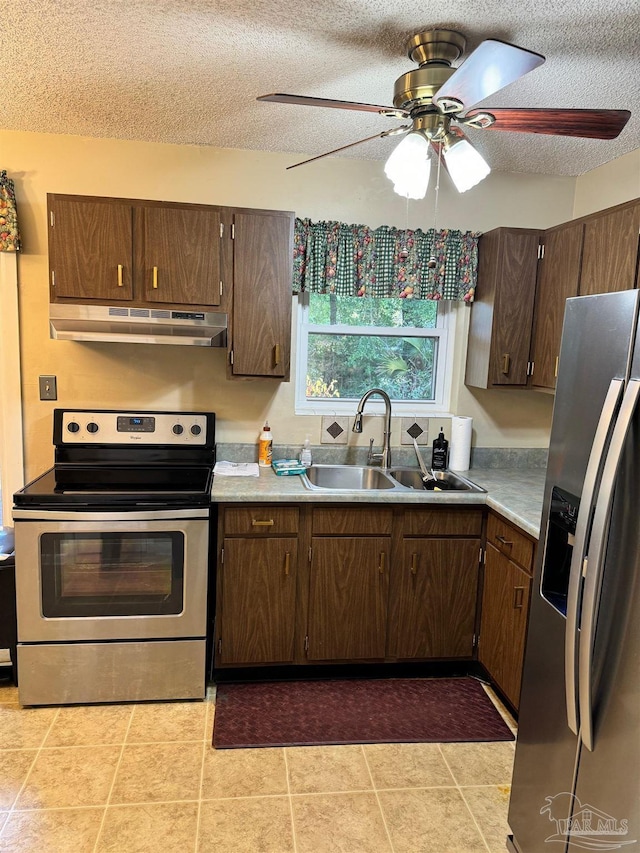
(145, 779)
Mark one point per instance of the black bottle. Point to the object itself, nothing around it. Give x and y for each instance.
(440, 453)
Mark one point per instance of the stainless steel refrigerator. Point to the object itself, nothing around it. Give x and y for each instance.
(576, 780)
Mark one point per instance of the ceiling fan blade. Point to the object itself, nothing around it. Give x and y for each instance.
(590, 124)
(492, 66)
(393, 132)
(303, 100)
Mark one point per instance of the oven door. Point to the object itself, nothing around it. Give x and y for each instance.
(87, 575)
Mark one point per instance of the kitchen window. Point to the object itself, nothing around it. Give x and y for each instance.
(347, 345)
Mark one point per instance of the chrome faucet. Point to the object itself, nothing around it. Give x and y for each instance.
(385, 456)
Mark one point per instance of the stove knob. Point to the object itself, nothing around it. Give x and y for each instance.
(178, 429)
(72, 426)
(92, 427)
(196, 429)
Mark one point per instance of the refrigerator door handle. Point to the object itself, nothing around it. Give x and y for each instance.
(597, 550)
(596, 456)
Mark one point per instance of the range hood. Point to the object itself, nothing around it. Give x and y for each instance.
(137, 325)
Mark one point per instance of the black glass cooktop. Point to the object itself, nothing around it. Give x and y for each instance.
(117, 485)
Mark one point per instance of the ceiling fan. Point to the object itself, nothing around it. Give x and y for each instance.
(439, 99)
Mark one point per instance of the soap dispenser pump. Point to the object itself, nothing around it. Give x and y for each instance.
(305, 454)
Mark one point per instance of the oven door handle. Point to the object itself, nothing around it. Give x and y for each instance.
(84, 515)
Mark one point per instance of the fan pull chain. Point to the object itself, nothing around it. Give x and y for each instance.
(432, 260)
(403, 252)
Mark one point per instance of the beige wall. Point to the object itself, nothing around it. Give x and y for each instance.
(121, 375)
(613, 183)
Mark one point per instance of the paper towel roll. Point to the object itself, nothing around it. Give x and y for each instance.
(460, 453)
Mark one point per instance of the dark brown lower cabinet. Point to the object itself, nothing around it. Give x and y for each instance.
(505, 608)
(348, 596)
(437, 586)
(258, 596)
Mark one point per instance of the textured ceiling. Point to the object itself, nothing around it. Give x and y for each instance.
(188, 71)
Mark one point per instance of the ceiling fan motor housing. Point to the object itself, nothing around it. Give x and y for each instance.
(434, 50)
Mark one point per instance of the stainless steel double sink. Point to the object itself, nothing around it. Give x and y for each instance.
(357, 478)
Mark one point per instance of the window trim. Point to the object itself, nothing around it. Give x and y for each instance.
(445, 331)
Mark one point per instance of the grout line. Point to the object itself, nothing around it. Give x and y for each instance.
(375, 791)
(113, 781)
(204, 752)
(10, 811)
(112, 806)
(293, 823)
(464, 800)
(459, 788)
(101, 744)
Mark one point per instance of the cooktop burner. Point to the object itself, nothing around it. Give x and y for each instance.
(115, 458)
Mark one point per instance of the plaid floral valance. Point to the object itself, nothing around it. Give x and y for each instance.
(9, 236)
(354, 260)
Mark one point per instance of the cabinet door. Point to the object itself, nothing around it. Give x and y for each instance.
(511, 337)
(178, 258)
(348, 598)
(262, 271)
(557, 281)
(502, 314)
(505, 608)
(610, 256)
(90, 249)
(257, 611)
(437, 591)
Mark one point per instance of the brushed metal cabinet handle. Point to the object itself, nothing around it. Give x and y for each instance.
(287, 563)
(120, 279)
(267, 523)
(506, 363)
(414, 564)
(155, 278)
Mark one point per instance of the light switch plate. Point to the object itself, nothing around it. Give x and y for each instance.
(417, 428)
(48, 387)
(335, 430)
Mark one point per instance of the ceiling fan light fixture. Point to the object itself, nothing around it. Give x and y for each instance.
(409, 166)
(466, 166)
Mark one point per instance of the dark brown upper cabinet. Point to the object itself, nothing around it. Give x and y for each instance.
(90, 249)
(147, 253)
(178, 255)
(610, 256)
(260, 334)
(516, 319)
(558, 280)
(502, 314)
(151, 254)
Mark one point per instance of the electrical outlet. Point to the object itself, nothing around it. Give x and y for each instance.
(48, 387)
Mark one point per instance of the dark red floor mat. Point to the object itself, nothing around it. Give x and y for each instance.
(339, 711)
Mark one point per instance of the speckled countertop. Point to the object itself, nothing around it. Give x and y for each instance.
(516, 493)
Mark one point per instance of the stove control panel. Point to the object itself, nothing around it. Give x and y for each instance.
(176, 428)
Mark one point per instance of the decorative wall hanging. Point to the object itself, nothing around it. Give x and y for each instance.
(9, 235)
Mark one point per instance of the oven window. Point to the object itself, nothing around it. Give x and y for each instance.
(112, 574)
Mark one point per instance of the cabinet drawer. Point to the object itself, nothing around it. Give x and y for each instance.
(339, 520)
(510, 542)
(260, 520)
(435, 522)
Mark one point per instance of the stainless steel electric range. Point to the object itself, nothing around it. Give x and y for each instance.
(112, 555)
